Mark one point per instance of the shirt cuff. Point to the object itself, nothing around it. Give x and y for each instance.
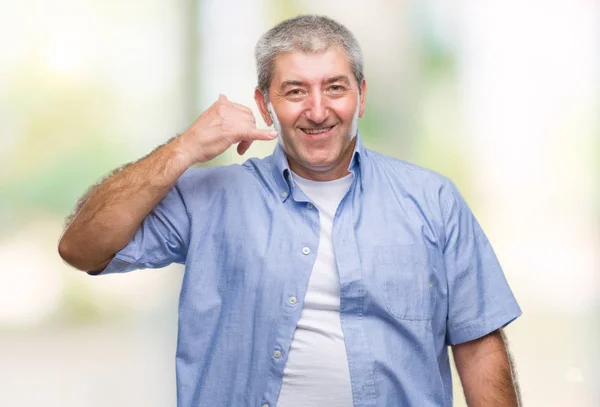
(497, 319)
(117, 265)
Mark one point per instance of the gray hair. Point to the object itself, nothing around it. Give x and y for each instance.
(307, 34)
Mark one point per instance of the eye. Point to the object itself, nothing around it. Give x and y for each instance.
(336, 88)
(294, 92)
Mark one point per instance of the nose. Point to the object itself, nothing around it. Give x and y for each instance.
(318, 108)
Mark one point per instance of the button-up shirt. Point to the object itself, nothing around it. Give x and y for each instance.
(416, 272)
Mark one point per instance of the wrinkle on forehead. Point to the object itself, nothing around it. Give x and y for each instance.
(312, 67)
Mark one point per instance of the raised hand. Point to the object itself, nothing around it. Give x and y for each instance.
(224, 123)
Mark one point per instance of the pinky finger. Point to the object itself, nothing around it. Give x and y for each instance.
(243, 146)
(258, 134)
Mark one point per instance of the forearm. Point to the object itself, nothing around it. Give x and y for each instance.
(486, 373)
(109, 214)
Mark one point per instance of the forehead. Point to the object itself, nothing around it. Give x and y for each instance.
(311, 67)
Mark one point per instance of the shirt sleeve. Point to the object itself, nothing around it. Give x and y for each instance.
(479, 297)
(163, 236)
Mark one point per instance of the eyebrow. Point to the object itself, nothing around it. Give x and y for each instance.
(339, 78)
(333, 79)
(291, 83)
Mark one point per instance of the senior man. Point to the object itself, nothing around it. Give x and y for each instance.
(325, 274)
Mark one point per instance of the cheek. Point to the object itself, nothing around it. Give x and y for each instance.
(345, 109)
(289, 115)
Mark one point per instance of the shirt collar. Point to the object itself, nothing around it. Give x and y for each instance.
(283, 174)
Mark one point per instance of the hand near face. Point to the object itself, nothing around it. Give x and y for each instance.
(224, 123)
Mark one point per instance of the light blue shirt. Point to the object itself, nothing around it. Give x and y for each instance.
(416, 274)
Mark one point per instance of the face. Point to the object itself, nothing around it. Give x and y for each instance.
(314, 105)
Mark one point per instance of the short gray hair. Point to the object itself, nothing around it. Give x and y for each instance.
(307, 34)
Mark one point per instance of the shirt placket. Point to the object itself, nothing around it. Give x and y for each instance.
(302, 261)
(352, 293)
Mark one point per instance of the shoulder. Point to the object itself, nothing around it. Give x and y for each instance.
(411, 177)
(427, 187)
(215, 177)
(211, 173)
(435, 194)
(235, 178)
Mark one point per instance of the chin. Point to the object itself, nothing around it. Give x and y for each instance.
(318, 161)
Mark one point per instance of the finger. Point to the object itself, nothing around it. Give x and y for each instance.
(243, 146)
(241, 107)
(219, 104)
(257, 134)
(239, 112)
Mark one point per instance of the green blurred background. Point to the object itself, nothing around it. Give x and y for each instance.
(501, 96)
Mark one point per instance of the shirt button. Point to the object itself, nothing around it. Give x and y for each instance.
(292, 300)
(265, 405)
(277, 354)
(305, 250)
(283, 195)
(309, 205)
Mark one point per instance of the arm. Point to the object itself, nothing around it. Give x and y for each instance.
(108, 215)
(486, 371)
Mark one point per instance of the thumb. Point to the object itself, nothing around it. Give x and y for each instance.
(222, 98)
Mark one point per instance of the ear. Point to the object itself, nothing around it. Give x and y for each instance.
(259, 98)
(363, 97)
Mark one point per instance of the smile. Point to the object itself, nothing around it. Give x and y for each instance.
(317, 131)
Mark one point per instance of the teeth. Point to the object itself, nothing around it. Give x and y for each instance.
(317, 131)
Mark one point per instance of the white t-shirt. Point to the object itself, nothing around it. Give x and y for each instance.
(316, 371)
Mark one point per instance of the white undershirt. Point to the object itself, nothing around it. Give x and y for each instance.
(316, 371)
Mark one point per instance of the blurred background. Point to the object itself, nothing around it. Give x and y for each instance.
(501, 96)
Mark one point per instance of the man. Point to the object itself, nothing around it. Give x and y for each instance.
(325, 274)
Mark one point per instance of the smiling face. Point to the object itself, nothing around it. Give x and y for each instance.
(316, 104)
